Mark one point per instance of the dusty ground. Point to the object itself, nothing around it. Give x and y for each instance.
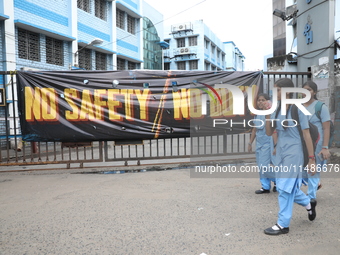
(164, 212)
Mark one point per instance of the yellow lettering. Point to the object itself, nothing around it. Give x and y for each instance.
(71, 94)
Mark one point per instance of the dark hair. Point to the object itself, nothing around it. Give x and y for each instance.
(312, 85)
(285, 83)
(263, 95)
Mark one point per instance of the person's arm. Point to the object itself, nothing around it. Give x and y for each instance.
(326, 132)
(274, 141)
(269, 126)
(310, 149)
(252, 138)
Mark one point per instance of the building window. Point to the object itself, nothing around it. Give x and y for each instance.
(180, 42)
(100, 9)
(207, 66)
(85, 59)
(181, 65)
(131, 65)
(213, 49)
(193, 41)
(84, 5)
(28, 45)
(120, 64)
(206, 43)
(193, 64)
(100, 61)
(120, 19)
(54, 51)
(166, 66)
(131, 24)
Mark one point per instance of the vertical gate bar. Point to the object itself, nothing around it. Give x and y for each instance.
(171, 146)
(14, 120)
(39, 151)
(47, 159)
(232, 143)
(129, 150)
(150, 147)
(164, 147)
(178, 147)
(121, 151)
(23, 152)
(32, 159)
(77, 151)
(211, 144)
(218, 145)
(205, 145)
(62, 151)
(143, 149)
(84, 152)
(238, 143)
(55, 151)
(185, 146)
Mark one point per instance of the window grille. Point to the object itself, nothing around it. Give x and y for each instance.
(120, 19)
(84, 5)
(193, 41)
(166, 66)
(131, 24)
(84, 59)
(28, 45)
(54, 51)
(181, 65)
(100, 9)
(131, 65)
(120, 64)
(180, 42)
(100, 61)
(193, 64)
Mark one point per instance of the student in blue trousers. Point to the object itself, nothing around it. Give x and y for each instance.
(290, 157)
(264, 148)
(323, 124)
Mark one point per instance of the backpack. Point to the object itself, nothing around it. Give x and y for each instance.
(318, 107)
(314, 133)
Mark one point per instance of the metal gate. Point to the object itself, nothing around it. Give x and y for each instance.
(15, 152)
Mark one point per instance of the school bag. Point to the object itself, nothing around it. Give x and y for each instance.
(318, 107)
(314, 133)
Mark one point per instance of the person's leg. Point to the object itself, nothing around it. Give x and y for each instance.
(313, 182)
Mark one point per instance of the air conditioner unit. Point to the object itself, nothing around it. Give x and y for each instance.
(182, 27)
(184, 51)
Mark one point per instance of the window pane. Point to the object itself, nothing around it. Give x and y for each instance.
(180, 42)
(28, 45)
(100, 61)
(193, 41)
(181, 65)
(85, 59)
(54, 51)
(84, 5)
(131, 22)
(120, 19)
(100, 9)
(120, 64)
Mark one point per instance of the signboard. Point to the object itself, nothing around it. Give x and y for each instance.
(79, 106)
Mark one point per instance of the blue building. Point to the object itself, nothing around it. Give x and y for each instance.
(194, 46)
(68, 34)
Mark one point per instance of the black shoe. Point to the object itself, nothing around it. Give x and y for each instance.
(261, 191)
(271, 231)
(312, 216)
(319, 186)
(274, 188)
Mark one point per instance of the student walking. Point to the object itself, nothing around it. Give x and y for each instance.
(289, 156)
(320, 117)
(264, 148)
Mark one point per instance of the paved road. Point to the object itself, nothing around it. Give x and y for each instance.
(158, 212)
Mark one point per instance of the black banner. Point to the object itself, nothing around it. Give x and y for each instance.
(74, 106)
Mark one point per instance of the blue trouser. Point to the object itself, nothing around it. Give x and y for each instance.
(286, 202)
(263, 159)
(313, 181)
